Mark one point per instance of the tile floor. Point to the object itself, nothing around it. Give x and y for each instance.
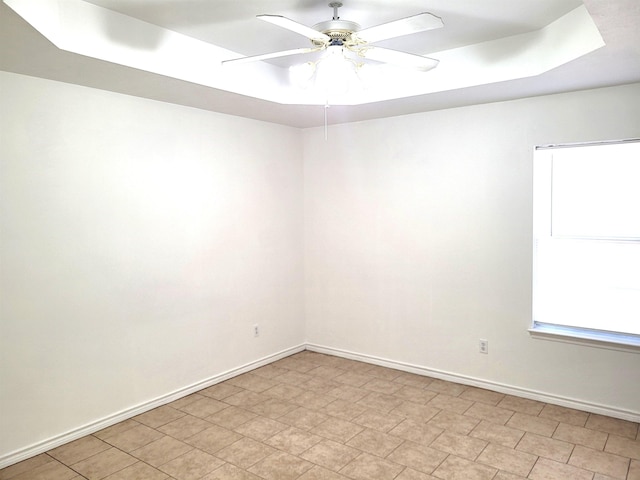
(317, 417)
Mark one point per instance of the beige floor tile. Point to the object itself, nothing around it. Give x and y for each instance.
(159, 416)
(529, 423)
(601, 462)
(245, 399)
(502, 475)
(489, 413)
(545, 447)
(25, 466)
(417, 432)
(269, 371)
(133, 438)
(337, 429)
(564, 415)
(384, 373)
(411, 474)
(192, 465)
(455, 422)
(281, 466)
(324, 371)
(507, 459)
(53, 470)
(417, 457)
(581, 436)
(382, 386)
(318, 417)
(482, 395)
(261, 428)
(220, 391)
(295, 364)
(545, 469)
(378, 421)
(634, 470)
(456, 468)
(117, 428)
(319, 473)
(178, 404)
(450, 403)
(381, 402)
(303, 418)
(522, 405)
(77, 450)
(415, 395)
(204, 407)
(623, 446)
(231, 417)
(230, 472)
(185, 427)
(622, 428)
(138, 471)
(499, 434)
(293, 440)
(284, 391)
(104, 464)
(161, 451)
(344, 409)
(459, 445)
(331, 455)
(322, 385)
(448, 388)
(294, 378)
(374, 442)
(417, 411)
(350, 365)
(413, 380)
(245, 453)
(368, 467)
(313, 400)
(213, 439)
(352, 379)
(273, 408)
(251, 382)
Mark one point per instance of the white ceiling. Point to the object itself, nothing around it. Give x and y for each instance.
(231, 24)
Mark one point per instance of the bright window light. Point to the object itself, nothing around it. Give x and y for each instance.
(587, 242)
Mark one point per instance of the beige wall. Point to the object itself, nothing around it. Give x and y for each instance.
(140, 243)
(418, 243)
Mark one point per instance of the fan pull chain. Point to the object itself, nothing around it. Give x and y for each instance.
(326, 115)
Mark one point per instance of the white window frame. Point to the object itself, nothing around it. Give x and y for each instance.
(542, 223)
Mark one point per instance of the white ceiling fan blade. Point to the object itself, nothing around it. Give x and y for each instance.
(400, 59)
(268, 56)
(296, 27)
(398, 28)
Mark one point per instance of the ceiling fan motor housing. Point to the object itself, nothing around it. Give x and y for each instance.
(338, 30)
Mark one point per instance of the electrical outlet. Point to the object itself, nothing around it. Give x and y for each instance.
(256, 330)
(484, 346)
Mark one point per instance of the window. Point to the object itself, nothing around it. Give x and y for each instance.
(586, 233)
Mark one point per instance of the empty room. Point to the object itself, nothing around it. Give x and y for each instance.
(313, 240)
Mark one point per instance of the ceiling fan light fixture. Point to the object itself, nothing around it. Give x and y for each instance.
(301, 75)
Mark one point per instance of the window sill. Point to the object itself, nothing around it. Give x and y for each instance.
(592, 338)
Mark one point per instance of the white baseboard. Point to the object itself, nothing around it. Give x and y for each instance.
(48, 444)
(609, 411)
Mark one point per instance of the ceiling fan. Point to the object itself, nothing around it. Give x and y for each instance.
(347, 36)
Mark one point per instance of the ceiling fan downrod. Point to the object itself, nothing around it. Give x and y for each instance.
(335, 6)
